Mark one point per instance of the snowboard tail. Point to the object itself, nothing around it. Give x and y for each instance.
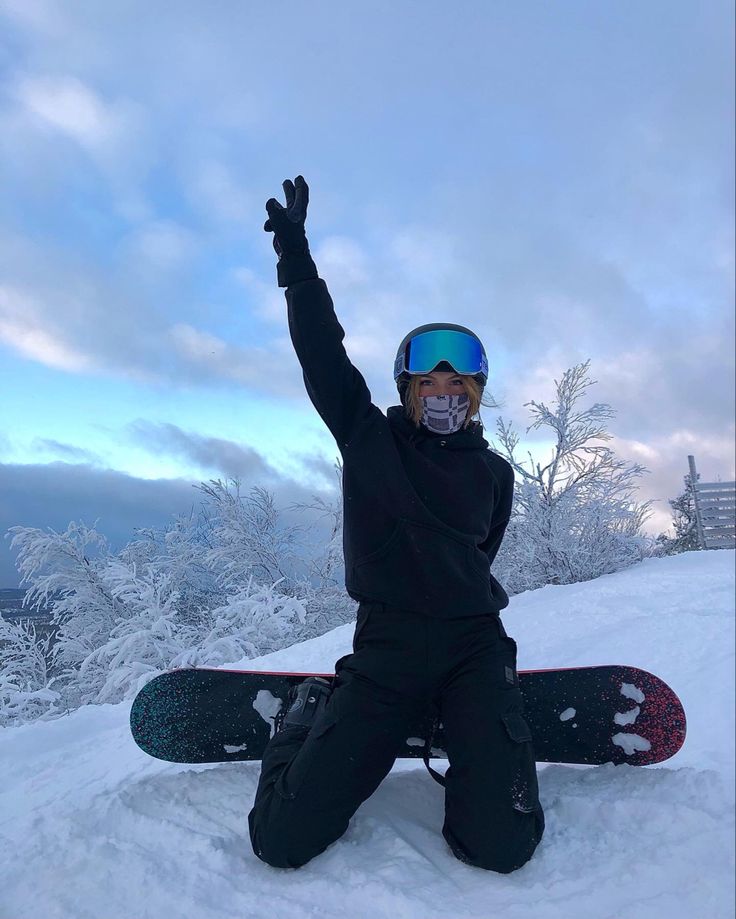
(585, 715)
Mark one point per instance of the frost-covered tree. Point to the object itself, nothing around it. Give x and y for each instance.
(246, 539)
(145, 636)
(26, 683)
(683, 521)
(215, 587)
(70, 573)
(179, 550)
(145, 631)
(574, 518)
(152, 636)
(323, 586)
(245, 534)
(67, 572)
(325, 567)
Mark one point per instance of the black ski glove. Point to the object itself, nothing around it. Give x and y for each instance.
(290, 242)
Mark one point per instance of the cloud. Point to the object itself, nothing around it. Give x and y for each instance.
(666, 458)
(40, 16)
(65, 103)
(345, 260)
(163, 244)
(217, 191)
(24, 328)
(73, 316)
(213, 454)
(218, 455)
(266, 300)
(52, 495)
(206, 358)
(561, 184)
(78, 318)
(66, 452)
(63, 122)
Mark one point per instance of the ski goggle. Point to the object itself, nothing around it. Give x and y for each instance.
(423, 352)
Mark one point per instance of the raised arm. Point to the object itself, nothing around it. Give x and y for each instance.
(337, 389)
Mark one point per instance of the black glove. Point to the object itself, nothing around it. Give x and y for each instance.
(290, 241)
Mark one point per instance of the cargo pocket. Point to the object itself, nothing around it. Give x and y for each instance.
(523, 785)
(292, 778)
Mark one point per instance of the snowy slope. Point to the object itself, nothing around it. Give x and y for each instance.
(92, 827)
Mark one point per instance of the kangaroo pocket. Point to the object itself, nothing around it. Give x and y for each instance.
(421, 567)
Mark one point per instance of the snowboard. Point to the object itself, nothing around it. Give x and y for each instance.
(585, 715)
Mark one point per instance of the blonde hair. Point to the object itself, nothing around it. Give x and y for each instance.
(472, 388)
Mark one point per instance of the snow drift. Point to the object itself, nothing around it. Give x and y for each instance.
(92, 827)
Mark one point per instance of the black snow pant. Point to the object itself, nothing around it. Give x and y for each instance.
(313, 780)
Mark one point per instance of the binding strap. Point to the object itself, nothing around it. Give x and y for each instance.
(437, 776)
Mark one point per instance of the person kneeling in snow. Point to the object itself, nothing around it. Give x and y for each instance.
(426, 505)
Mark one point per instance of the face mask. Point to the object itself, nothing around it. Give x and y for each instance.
(445, 414)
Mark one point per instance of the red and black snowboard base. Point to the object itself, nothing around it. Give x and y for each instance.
(587, 715)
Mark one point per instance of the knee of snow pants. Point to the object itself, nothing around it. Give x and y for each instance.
(312, 783)
(503, 853)
(493, 817)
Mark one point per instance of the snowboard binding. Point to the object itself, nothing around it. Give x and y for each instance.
(305, 702)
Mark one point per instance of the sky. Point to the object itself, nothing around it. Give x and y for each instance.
(557, 177)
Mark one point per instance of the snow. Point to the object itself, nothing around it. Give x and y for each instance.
(92, 827)
(630, 716)
(631, 742)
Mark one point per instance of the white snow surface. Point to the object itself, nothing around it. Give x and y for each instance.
(92, 827)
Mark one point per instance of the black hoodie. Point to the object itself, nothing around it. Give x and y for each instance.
(424, 513)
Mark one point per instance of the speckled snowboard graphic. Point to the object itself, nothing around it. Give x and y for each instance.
(586, 715)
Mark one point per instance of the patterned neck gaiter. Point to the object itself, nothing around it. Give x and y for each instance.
(445, 414)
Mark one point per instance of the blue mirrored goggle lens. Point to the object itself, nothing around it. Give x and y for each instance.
(427, 350)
